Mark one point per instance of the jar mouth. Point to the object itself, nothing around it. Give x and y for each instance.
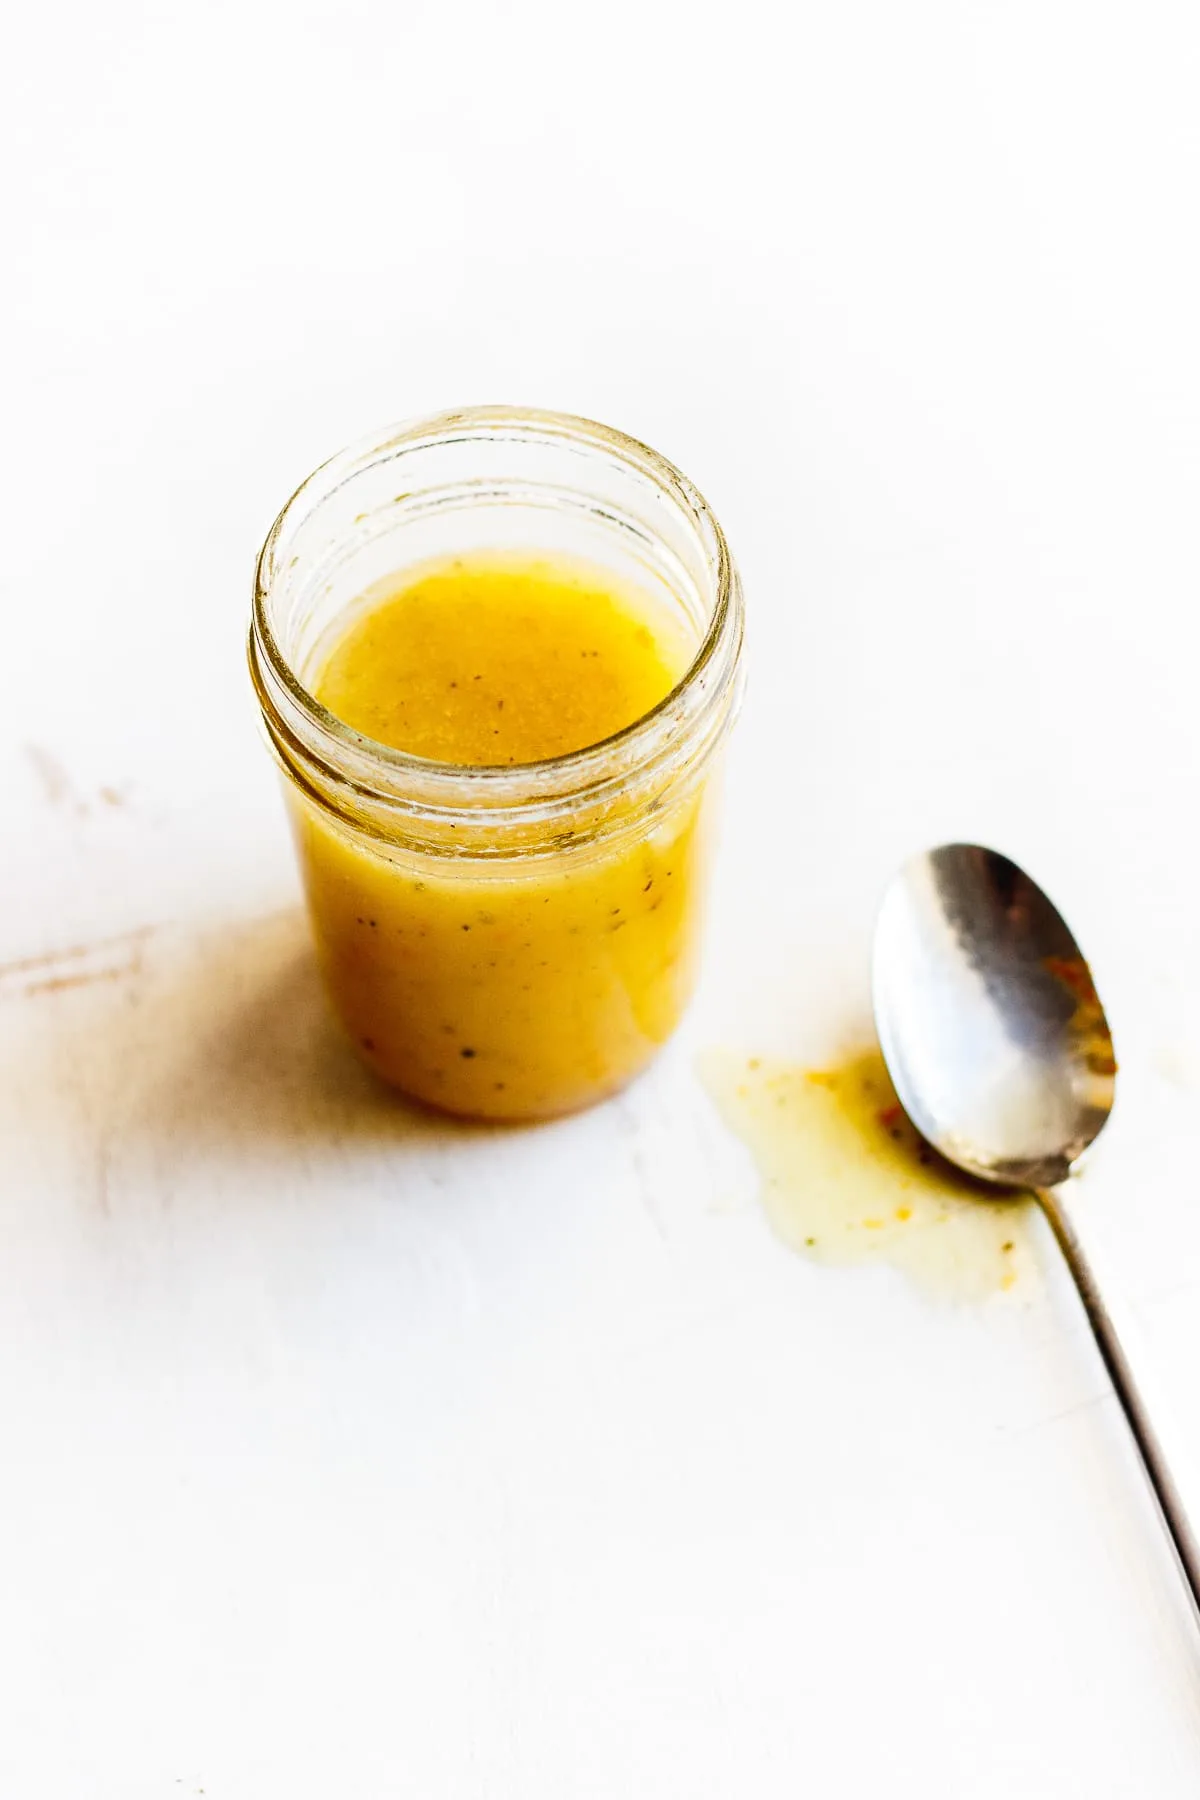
(305, 733)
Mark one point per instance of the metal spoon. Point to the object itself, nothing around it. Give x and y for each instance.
(1002, 1057)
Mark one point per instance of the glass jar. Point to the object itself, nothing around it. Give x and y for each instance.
(516, 942)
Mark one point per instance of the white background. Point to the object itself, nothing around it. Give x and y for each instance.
(347, 1455)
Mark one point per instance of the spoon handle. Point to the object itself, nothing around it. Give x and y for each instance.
(1056, 1207)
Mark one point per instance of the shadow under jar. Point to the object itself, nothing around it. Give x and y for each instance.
(503, 942)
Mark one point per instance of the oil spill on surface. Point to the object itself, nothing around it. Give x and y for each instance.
(846, 1179)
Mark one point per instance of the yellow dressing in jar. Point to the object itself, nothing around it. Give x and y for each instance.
(498, 754)
(505, 994)
(500, 659)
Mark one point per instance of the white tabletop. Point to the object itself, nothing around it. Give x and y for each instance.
(350, 1455)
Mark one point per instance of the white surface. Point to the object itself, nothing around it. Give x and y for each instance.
(346, 1455)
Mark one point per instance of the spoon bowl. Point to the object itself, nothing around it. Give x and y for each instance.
(988, 1018)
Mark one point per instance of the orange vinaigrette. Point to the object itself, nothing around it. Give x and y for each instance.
(514, 994)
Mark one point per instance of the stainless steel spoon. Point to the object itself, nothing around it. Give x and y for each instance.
(1002, 1057)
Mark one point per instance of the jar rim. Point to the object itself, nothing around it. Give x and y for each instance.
(311, 729)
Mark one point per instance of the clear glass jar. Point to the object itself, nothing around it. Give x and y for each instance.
(514, 942)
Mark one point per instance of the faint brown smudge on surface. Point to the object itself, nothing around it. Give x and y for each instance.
(57, 788)
(76, 965)
(60, 792)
